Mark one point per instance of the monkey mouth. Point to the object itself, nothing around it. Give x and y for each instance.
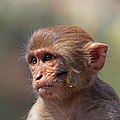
(45, 88)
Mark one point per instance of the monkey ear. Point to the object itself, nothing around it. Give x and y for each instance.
(97, 52)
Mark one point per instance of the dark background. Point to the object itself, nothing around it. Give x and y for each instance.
(18, 20)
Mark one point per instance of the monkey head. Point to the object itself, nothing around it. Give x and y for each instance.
(62, 59)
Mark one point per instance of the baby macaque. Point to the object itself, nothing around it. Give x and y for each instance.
(64, 62)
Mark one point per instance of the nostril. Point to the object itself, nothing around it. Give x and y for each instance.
(38, 78)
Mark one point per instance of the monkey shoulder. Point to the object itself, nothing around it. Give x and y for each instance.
(102, 103)
(103, 110)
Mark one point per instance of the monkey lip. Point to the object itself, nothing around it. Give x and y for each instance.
(44, 89)
(39, 88)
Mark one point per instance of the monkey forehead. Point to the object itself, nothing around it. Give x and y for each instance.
(59, 37)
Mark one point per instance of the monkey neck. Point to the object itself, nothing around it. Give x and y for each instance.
(69, 96)
(58, 108)
(65, 108)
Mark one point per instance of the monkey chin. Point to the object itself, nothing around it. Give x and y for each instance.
(51, 87)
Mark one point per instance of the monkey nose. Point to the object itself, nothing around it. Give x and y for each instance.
(39, 77)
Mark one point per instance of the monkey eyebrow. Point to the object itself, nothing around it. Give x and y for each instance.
(40, 52)
(28, 55)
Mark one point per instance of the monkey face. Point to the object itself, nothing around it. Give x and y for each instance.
(48, 70)
(62, 59)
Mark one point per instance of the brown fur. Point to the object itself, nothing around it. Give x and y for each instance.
(81, 95)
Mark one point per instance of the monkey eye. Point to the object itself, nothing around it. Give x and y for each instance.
(33, 60)
(48, 57)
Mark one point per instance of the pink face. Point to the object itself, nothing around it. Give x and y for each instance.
(48, 71)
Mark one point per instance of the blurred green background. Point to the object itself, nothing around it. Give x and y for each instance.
(18, 20)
